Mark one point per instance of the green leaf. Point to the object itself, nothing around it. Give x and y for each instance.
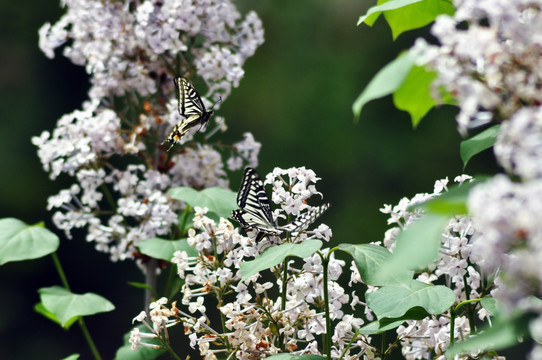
(385, 324)
(490, 304)
(164, 249)
(503, 333)
(66, 305)
(274, 255)
(370, 260)
(40, 309)
(417, 246)
(389, 79)
(374, 12)
(72, 357)
(286, 356)
(393, 301)
(478, 143)
(143, 353)
(416, 15)
(19, 241)
(414, 95)
(218, 200)
(452, 202)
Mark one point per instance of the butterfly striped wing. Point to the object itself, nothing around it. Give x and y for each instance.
(306, 219)
(190, 107)
(255, 212)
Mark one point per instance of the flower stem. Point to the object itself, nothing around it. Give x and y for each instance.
(282, 343)
(349, 344)
(81, 322)
(60, 271)
(453, 313)
(87, 336)
(470, 313)
(327, 338)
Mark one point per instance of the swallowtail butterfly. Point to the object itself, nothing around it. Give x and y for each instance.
(191, 107)
(255, 212)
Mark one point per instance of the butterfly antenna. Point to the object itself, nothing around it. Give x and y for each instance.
(217, 102)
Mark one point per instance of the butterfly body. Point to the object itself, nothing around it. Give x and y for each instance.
(190, 107)
(255, 212)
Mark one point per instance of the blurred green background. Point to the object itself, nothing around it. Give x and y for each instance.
(296, 99)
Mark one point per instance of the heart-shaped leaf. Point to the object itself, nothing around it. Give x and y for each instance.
(218, 200)
(19, 241)
(164, 249)
(370, 260)
(274, 255)
(66, 305)
(385, 324)
(394, 301)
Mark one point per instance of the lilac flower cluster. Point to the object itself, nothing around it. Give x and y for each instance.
(253, 320)
(132, 50)
(430, 338)
(507, 214)
(129, 46)
(489, 58)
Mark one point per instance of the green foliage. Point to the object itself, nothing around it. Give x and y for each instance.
(404, 15)
(370, 260)
(478, 143)
(275, 255)
(414, 95)
(393, 301)
(410, 85)
(40, 309)
(218, 200)
(65, 305)
(503, 333)
(19, 241)
(72, 357)
(385, 324)
(386, 82)
(452, 202)
(374, 12)
(490, 304)
(164, 249)
(125, 352)
(417, 15)
(417, 246)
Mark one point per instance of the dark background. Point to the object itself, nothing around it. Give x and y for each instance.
(296, 99)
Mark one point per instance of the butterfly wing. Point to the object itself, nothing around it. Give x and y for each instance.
(189, 100)
(306, 219)
(255, 212)
(190, 107)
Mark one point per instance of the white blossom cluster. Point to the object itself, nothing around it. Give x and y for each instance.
(130, 46)
(508, 244)
(519, 144)
(254, 316)
(489, 58)
(132, 51)
(510, 241)
(429, 338)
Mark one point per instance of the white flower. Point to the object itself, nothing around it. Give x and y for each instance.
(197, 306)
(519, 143)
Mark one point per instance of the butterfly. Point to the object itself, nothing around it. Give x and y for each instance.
(190, 107)
(255, 212)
